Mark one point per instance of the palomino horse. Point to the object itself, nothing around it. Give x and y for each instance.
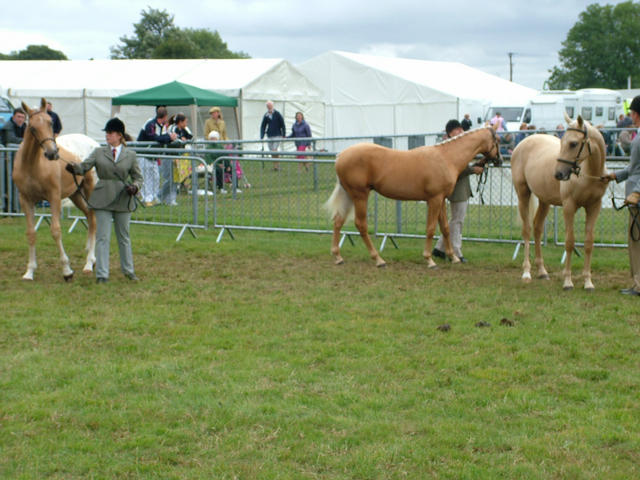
(39, 174)
(425, 173)
(542, 165)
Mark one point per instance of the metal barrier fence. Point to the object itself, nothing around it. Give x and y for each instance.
(292, 198)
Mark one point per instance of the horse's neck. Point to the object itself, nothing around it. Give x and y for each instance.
(461, 151)
(594, 164)
(31, 149)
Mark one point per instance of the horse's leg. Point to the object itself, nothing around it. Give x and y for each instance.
(338, 222)
(91, 235)
(360, 205)
(29, 212)
(436, 213)
(445, 230)
(569, 211)
(56, 233)
(590, 222)
(538, 230)
(524, 197)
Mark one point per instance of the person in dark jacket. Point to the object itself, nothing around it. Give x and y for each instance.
(156, 130)
(13, 130)
(273, 127)
(301, 129)
(113, 197)
(56, 124)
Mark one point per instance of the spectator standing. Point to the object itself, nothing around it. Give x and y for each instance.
(56, 124)
(156, 130)
(497, 118)
(301, 129)
(113, 198)
(215, 123)
(178, 125)
(273, 127)
(466, 122)
(13, 130)
(632, 191)
(458, 201)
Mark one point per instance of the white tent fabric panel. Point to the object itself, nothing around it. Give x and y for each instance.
(355, 86)
(81, 91)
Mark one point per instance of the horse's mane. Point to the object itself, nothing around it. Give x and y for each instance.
(457, 137)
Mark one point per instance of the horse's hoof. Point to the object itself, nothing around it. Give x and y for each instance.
(339, 262)
(28, 278)
(589, 289)
(87, 271)
(68, 278)
(381, 265)
(544, 276)
(567, 288)
(526, 277)
(432, 267)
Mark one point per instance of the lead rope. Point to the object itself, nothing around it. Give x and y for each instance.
(634, 212)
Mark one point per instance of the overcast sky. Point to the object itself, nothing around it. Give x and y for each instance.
(478, 34)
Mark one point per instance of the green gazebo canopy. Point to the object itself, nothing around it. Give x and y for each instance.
(175, 93)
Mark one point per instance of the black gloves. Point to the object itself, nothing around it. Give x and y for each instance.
(131, 189)
(69, 168)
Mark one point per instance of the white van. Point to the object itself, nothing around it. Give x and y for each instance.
(599, 106)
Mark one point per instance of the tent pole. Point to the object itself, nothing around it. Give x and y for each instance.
(194, 119)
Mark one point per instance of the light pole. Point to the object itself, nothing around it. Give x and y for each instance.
(510, 66)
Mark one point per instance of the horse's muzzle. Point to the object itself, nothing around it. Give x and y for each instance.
(563, 175)
(51, 154)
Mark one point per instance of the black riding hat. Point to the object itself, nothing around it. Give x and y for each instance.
(114, 125)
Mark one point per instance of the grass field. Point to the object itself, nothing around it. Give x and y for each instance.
(259, 359)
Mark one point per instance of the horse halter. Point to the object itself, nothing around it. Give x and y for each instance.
(497, 160)
(33, 131)
(575, 168)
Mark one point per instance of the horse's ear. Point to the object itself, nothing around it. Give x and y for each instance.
(567, 118)
(26, 108)
(580, 121)
(495, 126)
(43, 104)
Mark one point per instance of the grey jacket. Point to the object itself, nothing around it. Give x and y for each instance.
(632, 172)
(109, 192)
(462, 190)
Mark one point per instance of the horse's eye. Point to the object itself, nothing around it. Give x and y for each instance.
(573, 144)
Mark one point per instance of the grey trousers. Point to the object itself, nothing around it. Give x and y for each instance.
(458, 212)
(634, 250)
(103, 239)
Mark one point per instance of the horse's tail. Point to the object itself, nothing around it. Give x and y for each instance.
(339, 203)
(533, 206)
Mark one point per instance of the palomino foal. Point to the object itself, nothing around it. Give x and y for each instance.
(38, 173)
(426, 173)
(542, 165)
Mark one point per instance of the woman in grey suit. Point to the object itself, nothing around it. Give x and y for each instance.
(113, 198)
(632, 190)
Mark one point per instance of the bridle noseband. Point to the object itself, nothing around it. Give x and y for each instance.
(575, 168)
(497, 160)
(33, 131)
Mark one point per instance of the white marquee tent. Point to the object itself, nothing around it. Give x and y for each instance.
(81, 91)
(370, 95)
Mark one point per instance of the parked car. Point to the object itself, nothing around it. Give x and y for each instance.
(6, 110)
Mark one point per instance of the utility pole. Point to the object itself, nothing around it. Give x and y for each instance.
(510, 66)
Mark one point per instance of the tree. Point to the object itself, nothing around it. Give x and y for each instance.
(601, 50)
(35, 52)
(154, 27)
(157, 37)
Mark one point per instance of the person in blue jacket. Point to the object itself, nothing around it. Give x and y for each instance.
(273, 127)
